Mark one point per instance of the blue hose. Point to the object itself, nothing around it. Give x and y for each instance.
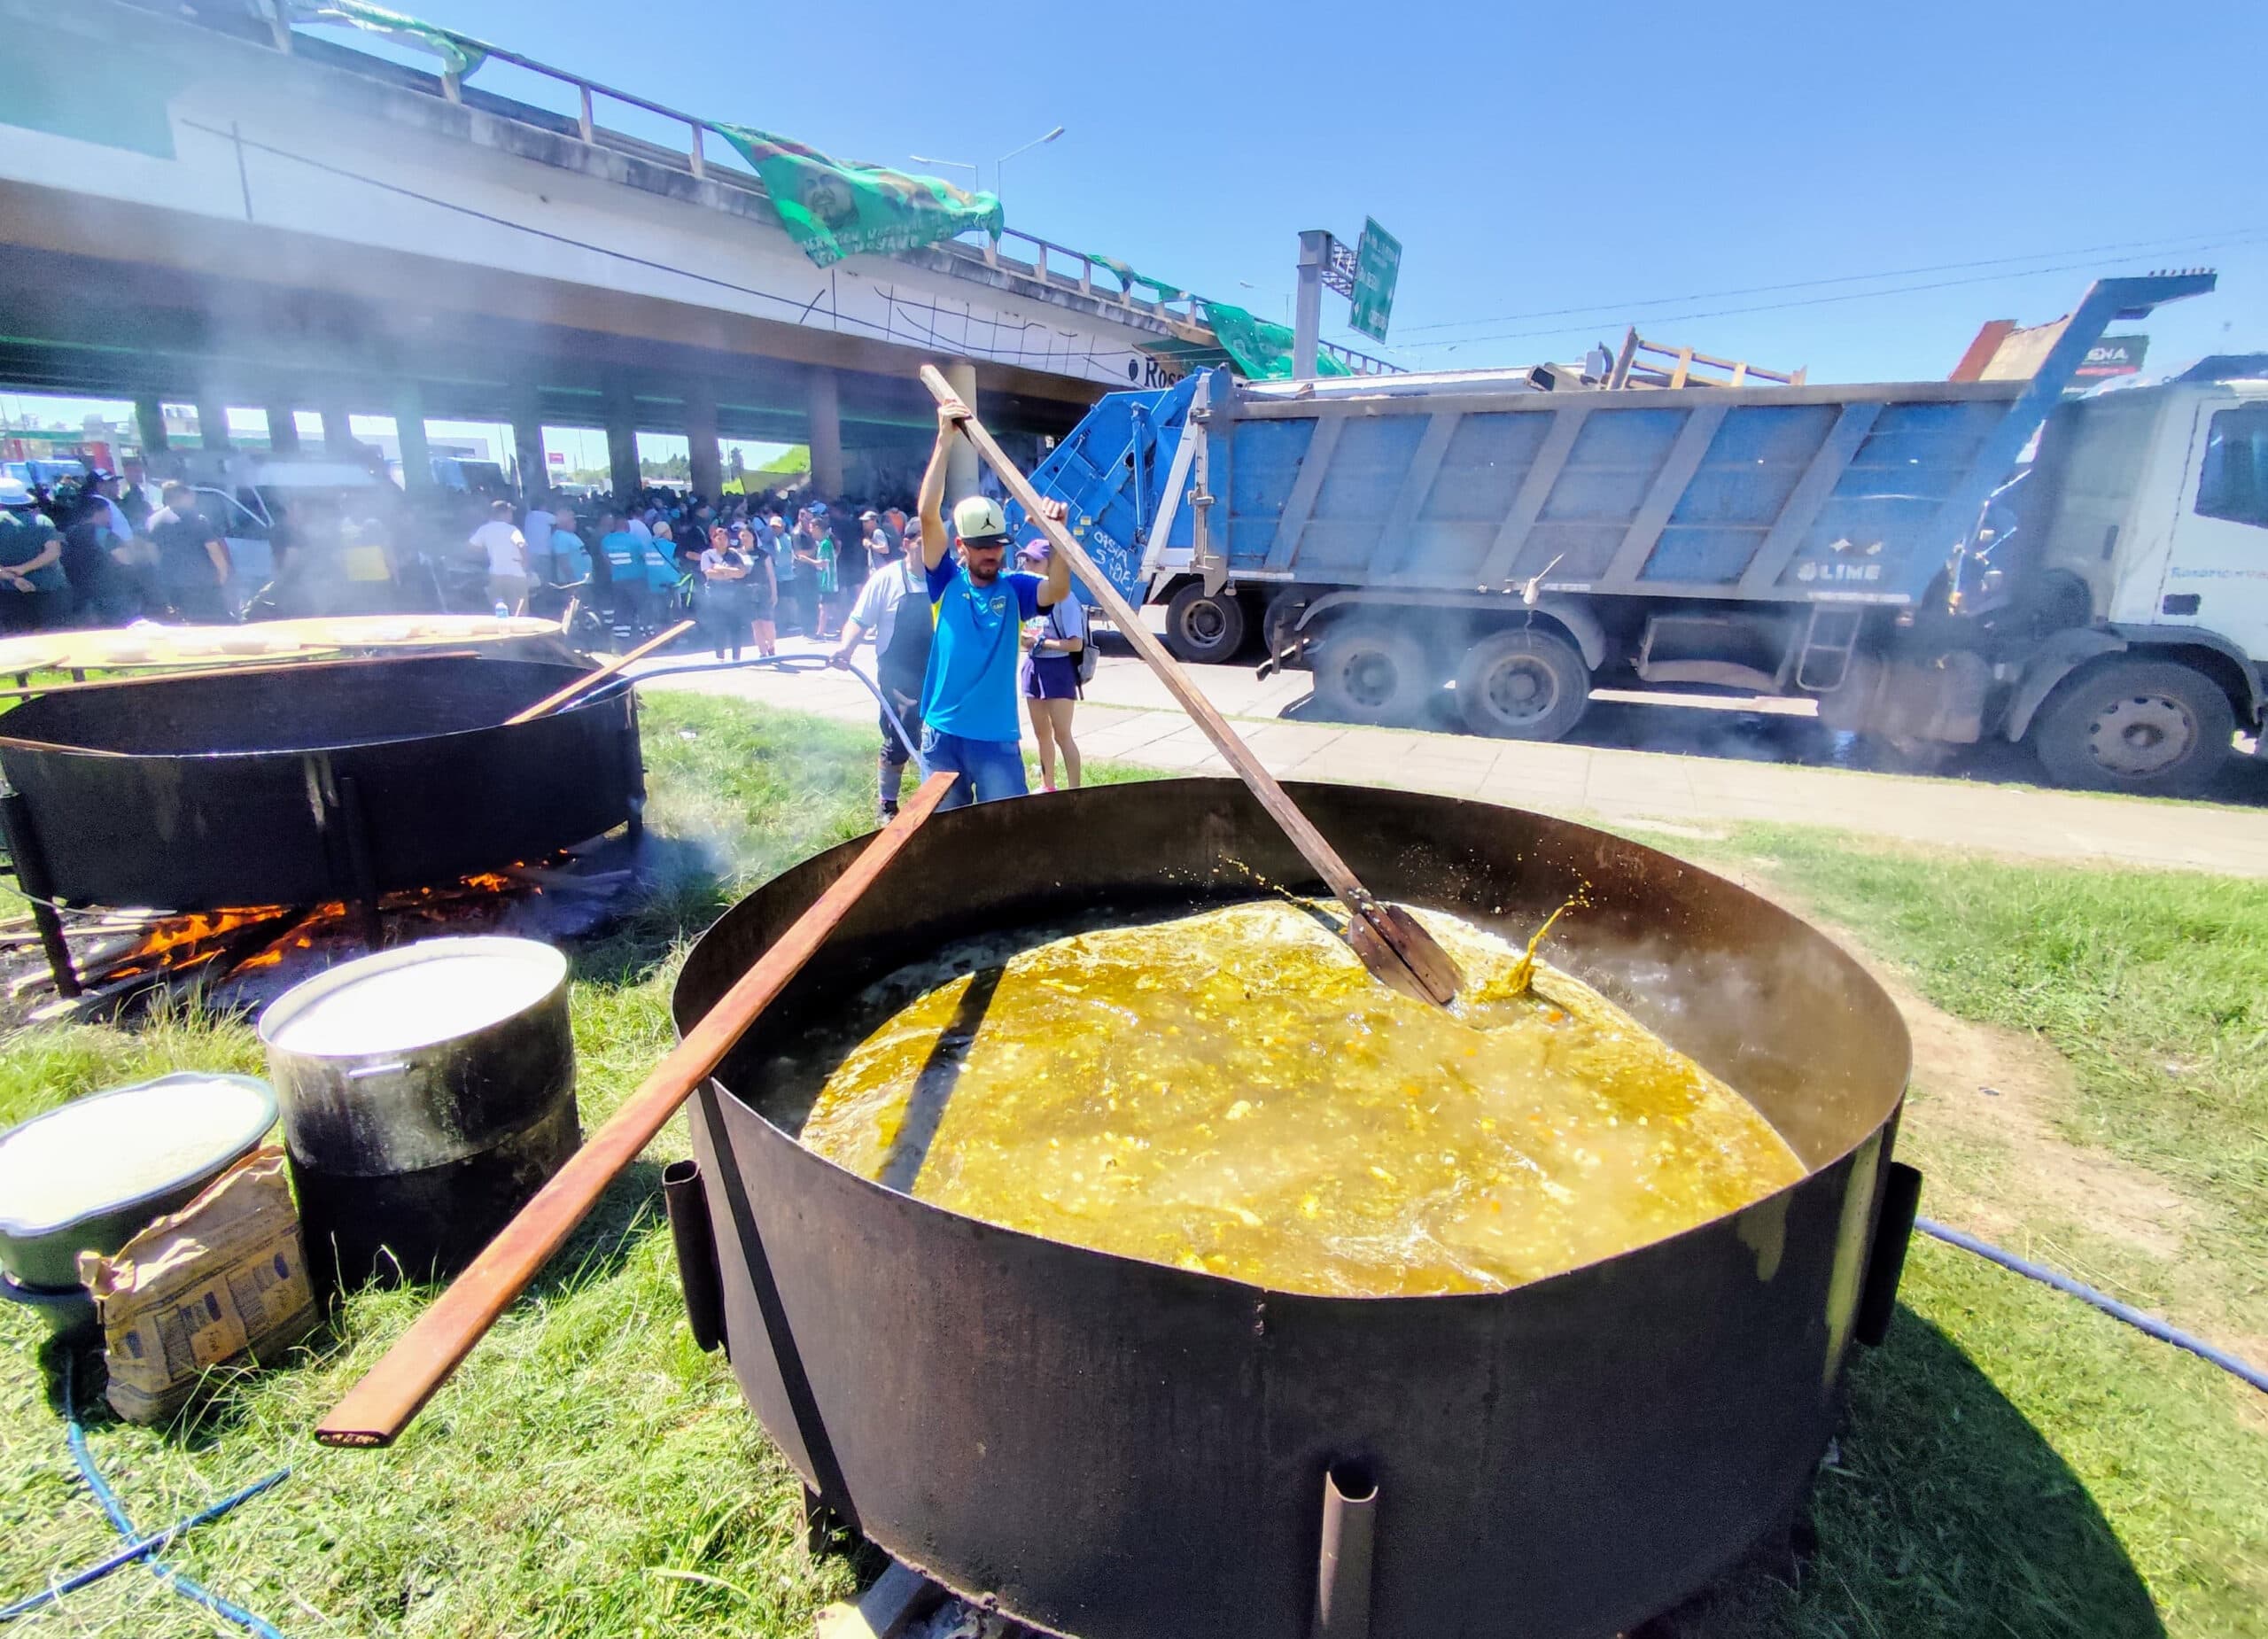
(76, 1437)
(140, 1549)
(2102, 1300)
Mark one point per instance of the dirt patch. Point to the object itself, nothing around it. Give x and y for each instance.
(2010, 1131)
(1956, 1062)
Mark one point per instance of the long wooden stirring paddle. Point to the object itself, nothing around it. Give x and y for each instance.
(592, 678)
(1389, 940)
(379, 1407)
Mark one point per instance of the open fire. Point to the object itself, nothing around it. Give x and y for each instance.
(243, 955)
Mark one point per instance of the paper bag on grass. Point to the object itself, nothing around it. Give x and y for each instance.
(222, 1277)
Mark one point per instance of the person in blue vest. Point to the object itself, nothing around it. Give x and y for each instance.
(968, 692)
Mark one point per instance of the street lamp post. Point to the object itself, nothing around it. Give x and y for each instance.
(1012, 152)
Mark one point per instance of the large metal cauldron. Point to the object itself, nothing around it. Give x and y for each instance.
(302, 784)
(1117, 1449)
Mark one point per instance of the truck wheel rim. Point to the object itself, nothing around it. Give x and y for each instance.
(1202, 622)
(1520, 689)
(1372, 679)
(2140, 736)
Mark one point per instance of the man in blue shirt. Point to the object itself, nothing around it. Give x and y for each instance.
(968, 695)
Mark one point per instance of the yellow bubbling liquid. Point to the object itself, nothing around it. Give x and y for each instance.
(1230, 1091)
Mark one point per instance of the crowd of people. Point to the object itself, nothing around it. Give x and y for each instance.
(738, 566)
(106, 549)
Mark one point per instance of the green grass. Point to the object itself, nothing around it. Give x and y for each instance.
(2012, 1463)
(2131, 1466)
(2154, 985)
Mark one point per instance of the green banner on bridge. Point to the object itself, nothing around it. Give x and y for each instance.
(1260, 351)
(460, 54)
(834, 208)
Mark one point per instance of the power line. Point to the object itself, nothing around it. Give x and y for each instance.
(1777, 307)
(2163, 246)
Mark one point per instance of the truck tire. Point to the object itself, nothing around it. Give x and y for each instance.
(1275, 626)
(1523, 685)
(1369, 672)
(2151, 727)
(1202, 630)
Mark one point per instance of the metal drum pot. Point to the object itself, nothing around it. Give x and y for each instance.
(416, 1132)
(1116, 1448)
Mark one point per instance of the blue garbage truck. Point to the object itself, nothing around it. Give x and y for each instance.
(1930, 562)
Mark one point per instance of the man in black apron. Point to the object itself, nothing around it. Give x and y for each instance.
(894, 606)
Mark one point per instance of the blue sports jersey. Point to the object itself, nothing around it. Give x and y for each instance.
(970, 688)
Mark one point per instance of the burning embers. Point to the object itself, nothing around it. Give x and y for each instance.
(244, 955)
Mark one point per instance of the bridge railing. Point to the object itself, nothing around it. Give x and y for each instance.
(1056, 266)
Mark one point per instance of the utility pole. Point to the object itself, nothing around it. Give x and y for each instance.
(1307, 325)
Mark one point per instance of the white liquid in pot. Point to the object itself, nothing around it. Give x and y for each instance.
(415, 1004)
(96, 1153)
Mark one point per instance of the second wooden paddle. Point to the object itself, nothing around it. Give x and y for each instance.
(592, 678)
(1389, 940)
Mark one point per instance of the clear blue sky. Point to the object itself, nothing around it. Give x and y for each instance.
(1536, 158)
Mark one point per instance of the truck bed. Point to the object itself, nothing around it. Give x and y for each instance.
(1805, 493)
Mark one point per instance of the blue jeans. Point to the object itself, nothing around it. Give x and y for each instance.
(989, 769)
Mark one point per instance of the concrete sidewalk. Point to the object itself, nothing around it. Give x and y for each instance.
(1128, 717)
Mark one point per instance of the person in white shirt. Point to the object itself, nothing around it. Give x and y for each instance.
(894, 605)
(507, 558)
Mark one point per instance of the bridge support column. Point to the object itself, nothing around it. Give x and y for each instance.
(622, 444)
(961, 460)
(283, 430)
(150, 421)
(409, 438)
(212, 422)
(823, 406)
(527, 444)
(337, 431)
(706, 459)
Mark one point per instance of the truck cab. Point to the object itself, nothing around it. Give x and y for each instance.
(2148, 574)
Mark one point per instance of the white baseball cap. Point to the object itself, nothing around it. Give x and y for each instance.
(979, 517)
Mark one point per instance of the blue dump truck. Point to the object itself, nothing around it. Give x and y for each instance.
(1932, 561)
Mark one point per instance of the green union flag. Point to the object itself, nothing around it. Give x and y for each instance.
(834, 208)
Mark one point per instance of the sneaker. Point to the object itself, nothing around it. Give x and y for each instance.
(887, 812)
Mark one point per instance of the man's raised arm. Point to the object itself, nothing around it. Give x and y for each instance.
(934, 542)
(1056, 586)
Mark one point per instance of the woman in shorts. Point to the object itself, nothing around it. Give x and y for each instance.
(1051, 674)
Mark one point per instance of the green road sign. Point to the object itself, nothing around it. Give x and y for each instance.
(1378, 259)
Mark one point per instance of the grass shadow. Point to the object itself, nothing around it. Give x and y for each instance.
(1940, 1511)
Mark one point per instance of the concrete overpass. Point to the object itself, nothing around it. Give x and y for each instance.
(234, 214)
